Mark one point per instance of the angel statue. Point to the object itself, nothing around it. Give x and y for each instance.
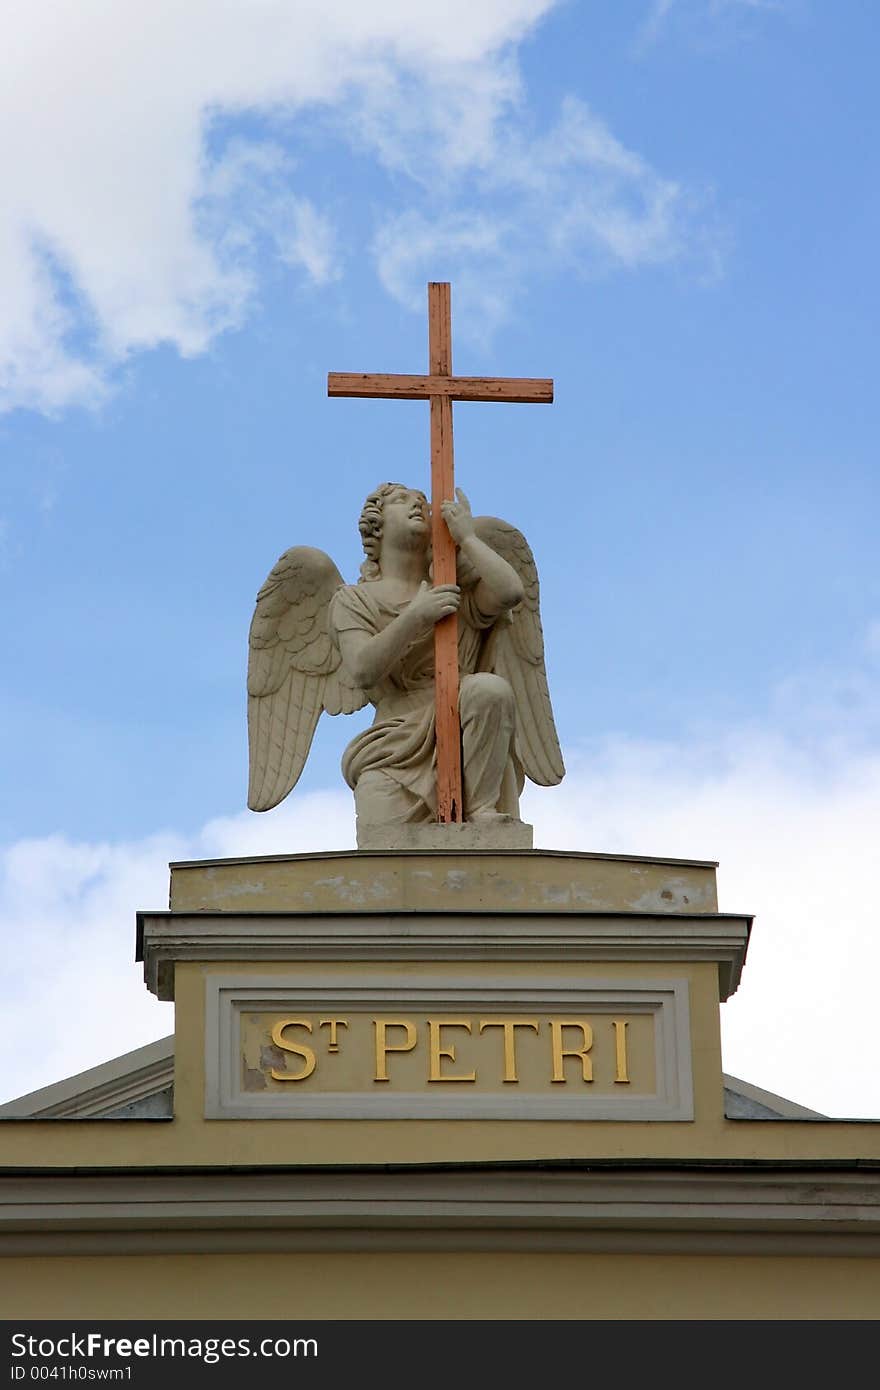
(317, 643)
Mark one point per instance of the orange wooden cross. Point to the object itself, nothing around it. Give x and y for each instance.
(441, 388)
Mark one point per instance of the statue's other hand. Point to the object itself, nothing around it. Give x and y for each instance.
(458, 518)
(428, 606)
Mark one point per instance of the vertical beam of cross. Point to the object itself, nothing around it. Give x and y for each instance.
(450, 795)
(441, 388)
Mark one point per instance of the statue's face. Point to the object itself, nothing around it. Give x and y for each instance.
(405, 518)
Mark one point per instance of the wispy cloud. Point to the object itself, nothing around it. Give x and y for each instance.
(247, 206)
(872, 640)
(709, 19)
(574, 200)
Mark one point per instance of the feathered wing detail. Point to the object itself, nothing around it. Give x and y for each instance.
(294, 672)
(516, 652)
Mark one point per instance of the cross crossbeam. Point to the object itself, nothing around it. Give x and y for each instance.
(441, 388)
(522, 390)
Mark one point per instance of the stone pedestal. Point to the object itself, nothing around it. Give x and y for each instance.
(458, 839)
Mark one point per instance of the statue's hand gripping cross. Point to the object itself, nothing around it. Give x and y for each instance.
(441, 388)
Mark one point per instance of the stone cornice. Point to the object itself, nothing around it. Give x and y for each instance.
(722, 1209)
(167, 937)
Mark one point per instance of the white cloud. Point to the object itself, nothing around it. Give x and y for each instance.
(109, 191)
(72, 994)
(794, 828)
(128, 223)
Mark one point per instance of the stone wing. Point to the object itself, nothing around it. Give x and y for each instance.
(294, 672)
(516, 652)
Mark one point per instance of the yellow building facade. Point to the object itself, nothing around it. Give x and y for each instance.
(436, 1084)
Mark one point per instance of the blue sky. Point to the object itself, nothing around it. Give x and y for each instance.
(672, 208)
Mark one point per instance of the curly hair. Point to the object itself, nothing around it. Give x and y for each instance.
(370, 527)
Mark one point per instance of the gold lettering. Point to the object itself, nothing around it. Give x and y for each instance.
(333, 1023)
(301, 1049)
(438, 1052)
(509, 1025)
(560, 1052)
(622, 1073)
(383, 1047)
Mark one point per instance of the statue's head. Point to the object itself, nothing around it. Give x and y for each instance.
(372, 520)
